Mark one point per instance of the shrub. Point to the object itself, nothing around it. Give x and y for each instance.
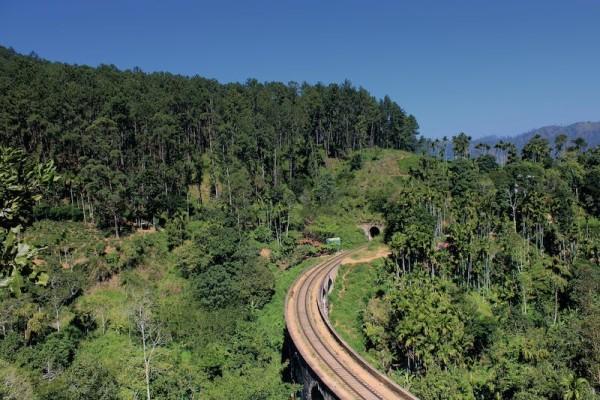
(57, 213)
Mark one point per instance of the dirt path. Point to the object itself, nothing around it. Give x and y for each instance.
(360, 258)
(367, 255)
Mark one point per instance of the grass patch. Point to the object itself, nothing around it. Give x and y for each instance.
(407, 162)
(353, 287)
(383, 168)
(376, 243)
(109, 306)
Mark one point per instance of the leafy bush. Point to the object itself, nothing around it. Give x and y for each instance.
(413, 305)
(58, 212)
(16, 385)
(487, 163)
(10, 345)
(214, 288)
(89, 379)
(54, 354)
(324, 189)
(356, 162)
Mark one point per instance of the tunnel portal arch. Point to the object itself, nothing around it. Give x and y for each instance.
(372, 230)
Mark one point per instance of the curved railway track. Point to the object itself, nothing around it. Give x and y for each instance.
(339, 367)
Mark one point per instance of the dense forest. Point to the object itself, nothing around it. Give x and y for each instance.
(492, 289)
(135, 207)
(130, 144)
(150, 225)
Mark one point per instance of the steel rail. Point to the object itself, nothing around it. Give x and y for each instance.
(358, 387)
(310, 330)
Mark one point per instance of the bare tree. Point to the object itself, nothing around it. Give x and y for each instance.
(512, 194)
(64, 287)
(8, 314)
(150, 333)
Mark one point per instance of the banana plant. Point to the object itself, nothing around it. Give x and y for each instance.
(22, 185)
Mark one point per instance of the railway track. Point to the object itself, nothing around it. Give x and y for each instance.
(338, 366)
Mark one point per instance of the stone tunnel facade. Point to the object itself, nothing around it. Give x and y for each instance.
(372, 229)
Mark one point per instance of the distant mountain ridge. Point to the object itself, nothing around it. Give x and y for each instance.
(590, 131)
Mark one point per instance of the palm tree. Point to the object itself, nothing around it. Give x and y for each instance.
(536, 149)
(580, 144)
(501, 151)
(433, 144)
(559, 144)
(443, 148)
(483, 148)
(511, 151)
(460, 145)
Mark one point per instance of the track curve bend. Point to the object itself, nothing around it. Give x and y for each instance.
(340, 368)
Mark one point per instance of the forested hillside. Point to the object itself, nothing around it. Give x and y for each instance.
(151, 224)
(130, 144)
(492, 287)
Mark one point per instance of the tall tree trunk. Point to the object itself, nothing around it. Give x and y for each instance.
(116, 225)
(555, 304)
(146, 363)
(57, 313)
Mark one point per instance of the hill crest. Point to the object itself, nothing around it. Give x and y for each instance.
(590, 131)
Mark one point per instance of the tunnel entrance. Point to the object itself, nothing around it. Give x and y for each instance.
(374, 231)
(315, 393)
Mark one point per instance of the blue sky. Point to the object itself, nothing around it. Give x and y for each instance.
(479, 66)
